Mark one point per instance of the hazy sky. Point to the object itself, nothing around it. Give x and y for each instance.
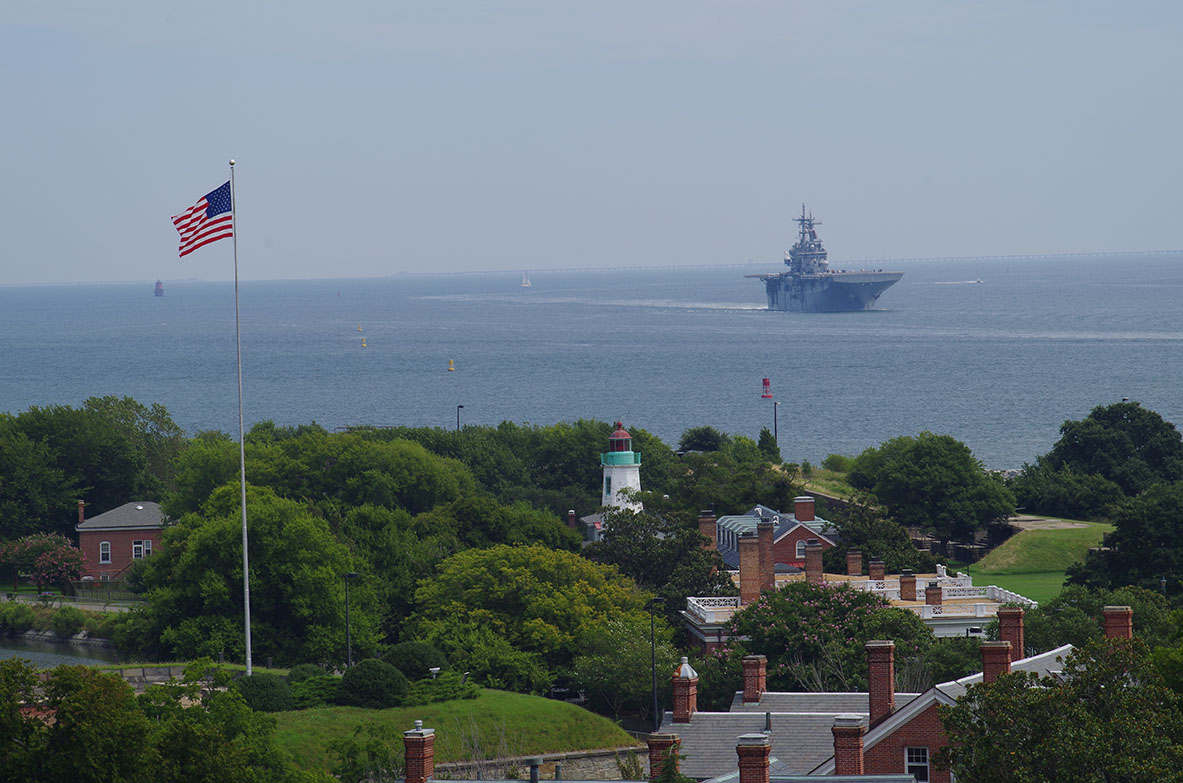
(387, 136)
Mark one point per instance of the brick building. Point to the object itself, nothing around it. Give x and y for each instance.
(113, 541)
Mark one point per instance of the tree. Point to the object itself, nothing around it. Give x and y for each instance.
(297, 589)
(768, 446)
(47, 558)
(615, 668)
(35, 494)
(540, 602)
(1106, 717)
(815, 636)
(1144, 547)
(661, 553)
(703, 438)
(862, 525)
(932, 482)
(1075, 617)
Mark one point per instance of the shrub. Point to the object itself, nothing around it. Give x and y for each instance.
(372, 683)
(315, 691)
(839, 463)
(446, 687)
(68, 621)
(303, 671)
(265, 692)
(17, 617)
(415, 659)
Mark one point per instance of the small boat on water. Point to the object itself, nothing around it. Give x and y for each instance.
(159, 288)
(526, 280)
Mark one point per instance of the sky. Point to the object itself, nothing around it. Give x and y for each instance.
(378, 137)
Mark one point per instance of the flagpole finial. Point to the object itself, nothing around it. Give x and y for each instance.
(232, 161)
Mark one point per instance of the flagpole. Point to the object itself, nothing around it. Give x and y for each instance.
(246, 572)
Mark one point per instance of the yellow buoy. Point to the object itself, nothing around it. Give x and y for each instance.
(451, 366)
(363, 343)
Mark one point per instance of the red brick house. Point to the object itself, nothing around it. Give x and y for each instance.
(790, 533)
(113, 541)
(878, 732)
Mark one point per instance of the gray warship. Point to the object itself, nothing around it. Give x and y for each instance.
(810, 286)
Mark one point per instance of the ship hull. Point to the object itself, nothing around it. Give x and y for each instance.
(838, 292)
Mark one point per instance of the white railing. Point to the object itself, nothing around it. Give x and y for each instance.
(712, 609)
(1003, 596)
(965, 592)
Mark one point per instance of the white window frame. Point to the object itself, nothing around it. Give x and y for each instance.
(137, 550)
(104, 577)
(104, 552)
(801, 549)
(147, 547)
(917, 763)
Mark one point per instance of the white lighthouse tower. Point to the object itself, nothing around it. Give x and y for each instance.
(622, 470)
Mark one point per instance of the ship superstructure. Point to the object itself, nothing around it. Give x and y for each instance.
(810, 286)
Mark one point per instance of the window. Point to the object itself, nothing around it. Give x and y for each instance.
(801, 549)
(104, 577)
(916, 763)
(607, 485)
(147, 547)
(137, 550)
(104, 551)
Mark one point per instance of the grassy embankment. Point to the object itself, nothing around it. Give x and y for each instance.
(499, 723)
(1033, 562)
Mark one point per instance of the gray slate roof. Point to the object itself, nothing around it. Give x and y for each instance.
(746, 522)
(835, 703)
(134, 515)
(1046, 664)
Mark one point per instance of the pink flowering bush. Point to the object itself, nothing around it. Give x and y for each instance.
(814, 636)
(46, 558)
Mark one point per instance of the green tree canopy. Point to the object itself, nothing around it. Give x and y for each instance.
(864, 526)
(1145, 547)
(663, 554)
(932, 482)
(540, 602)
(1107, 717)
(615, 668)
(194, 585)
(815, 636)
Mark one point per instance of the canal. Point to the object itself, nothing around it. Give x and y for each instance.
(46, 655)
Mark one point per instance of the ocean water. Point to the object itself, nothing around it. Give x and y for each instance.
(998, 364)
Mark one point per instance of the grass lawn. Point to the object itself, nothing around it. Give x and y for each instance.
(507, 724)
(1033, 562)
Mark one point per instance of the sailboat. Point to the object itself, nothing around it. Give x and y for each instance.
(525, 280)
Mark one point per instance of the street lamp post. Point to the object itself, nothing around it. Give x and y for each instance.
(650, 605)
(458, 407)
(775, 429)
(348, 640)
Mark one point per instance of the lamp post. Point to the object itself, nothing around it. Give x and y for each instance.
(650, 605)
(348, 640)
(775, 429)
(458, 407)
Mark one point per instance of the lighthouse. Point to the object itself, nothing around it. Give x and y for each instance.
(622, 470)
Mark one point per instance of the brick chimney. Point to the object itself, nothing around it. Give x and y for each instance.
(749, 568)
(995, 660)
(685, 681)
(572, 522)
(755, 678)
(764, 530)
(706, 526)
(848, 744)
(803, 508)
(419, 744)
(907, 585)
(81, 511)
(1119, 622)
(753, 752)
(662, 748)
(880, 679)
(854, 563)
(876, 570)
(1010, 629)
(813, 562)
(933, 595)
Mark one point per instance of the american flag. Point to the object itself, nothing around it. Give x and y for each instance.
(206, 221)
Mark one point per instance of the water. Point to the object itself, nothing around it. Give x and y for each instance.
(998, 364)
(46, 655)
